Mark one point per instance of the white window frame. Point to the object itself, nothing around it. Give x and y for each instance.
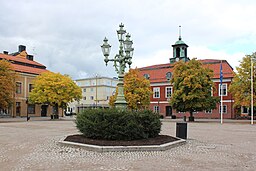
(18, 89)
(166, 92)
(225, 87)
(155, 91)
(224, 111)
(156, 109)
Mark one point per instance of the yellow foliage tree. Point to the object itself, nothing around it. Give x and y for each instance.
(137, 91)
(54, 89)
(7, 84)
(240, 87)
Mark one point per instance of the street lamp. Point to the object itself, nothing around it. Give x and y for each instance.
(120, 60)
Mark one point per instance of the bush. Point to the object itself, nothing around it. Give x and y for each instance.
(114, 124)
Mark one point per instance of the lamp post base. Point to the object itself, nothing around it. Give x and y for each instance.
(120, 99)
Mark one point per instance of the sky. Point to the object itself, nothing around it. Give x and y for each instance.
(66, 35)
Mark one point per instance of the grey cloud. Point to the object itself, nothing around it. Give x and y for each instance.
(66, 35)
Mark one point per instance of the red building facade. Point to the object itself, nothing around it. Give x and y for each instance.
(160, 75)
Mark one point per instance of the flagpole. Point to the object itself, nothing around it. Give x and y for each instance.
(221, 94)
(221, 108)
(251, 90)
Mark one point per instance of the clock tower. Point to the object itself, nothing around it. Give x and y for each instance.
(179, 50)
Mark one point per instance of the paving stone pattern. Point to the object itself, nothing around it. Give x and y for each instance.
(34, 145)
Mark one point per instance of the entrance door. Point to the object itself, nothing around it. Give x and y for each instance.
(18, 108)
(168, 111)
(44, 110)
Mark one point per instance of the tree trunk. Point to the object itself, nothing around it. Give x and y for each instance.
(191, 117)
(55, 114)
(56, 109)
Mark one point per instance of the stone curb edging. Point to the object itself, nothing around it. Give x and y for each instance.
(98, 148)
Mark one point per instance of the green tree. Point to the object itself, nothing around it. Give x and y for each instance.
(240, 87)
(7, 84)
(137, 91)
(54, 89)
(192, 88)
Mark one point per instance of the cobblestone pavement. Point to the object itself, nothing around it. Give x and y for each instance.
(34, 145)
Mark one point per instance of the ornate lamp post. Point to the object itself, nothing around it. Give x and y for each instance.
(120, 60)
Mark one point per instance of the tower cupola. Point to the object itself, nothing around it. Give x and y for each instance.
(179, 50)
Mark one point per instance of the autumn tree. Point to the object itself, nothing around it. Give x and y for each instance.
(54, 89)
(192, 88)
(7, 84)
(240, 87)
(137, 91)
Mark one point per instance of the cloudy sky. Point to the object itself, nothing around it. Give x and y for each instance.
(65, 35)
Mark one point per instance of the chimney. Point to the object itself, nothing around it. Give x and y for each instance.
(30, 57)
(22, 48)
(5, 52)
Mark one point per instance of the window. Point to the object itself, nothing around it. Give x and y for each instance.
(168, 92)
(84, 90)
(91, 89)
(156, 109)
(168, 75)
(156, 92)
(31, 109)
(224, 109)
(18, 87)
(208, 111)
(30, 87)
(91, 97)
(84, 97)
(244, 110)
(146, 76)
(223, 90)
(107, 97)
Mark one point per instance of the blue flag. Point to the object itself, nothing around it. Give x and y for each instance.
(221, 74)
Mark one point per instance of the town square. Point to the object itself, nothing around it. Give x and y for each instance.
(210, 146)
(137, 86)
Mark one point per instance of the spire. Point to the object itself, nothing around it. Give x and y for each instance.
(179, 32)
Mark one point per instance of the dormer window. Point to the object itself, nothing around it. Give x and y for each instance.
(168, 75)
(146, 76)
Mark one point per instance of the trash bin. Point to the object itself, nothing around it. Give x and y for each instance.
(181, 130)
(184, 118)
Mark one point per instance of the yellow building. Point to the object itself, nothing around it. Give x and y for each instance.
(95, 91)
(27, 69)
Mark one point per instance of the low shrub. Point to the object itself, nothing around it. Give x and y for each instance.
(114, 124)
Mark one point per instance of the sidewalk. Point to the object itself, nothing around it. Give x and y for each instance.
(210, 120)
(24, 119)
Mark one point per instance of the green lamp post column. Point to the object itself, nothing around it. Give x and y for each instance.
(120, 60)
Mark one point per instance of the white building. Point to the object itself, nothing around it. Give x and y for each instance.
(96, 92)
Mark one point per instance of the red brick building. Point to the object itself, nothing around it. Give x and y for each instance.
(160, 75)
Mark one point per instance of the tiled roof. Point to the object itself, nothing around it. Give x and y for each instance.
(157, 73)
(24, 65)
(19, 59)
(27, 69)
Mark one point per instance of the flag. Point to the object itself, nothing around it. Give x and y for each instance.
(221, 73)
